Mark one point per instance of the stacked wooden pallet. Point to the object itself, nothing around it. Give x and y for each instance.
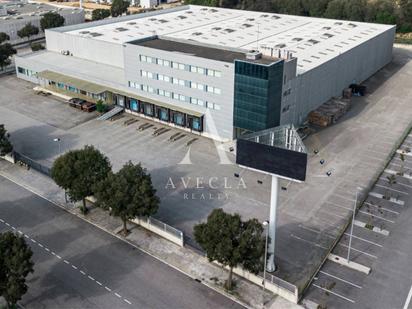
(329, 112)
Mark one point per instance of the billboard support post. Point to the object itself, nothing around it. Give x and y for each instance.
(274, 201)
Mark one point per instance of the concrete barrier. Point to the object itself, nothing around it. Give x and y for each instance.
(274, 284)
(162, 229)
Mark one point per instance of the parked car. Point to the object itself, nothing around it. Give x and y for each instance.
(89, 107)
(76, 102)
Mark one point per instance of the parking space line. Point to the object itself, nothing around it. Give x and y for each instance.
(398, 183)
(375, 216)
(382, 208)
(365, 240)
(357, 250)
(392, 189)
(336, 294)
(308, 241)
(408, 299)
(340, 279)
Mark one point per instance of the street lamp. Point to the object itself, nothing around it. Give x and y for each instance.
(265, 225)
(58, 140)
(353, 219)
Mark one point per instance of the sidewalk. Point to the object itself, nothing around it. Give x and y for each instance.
(181, 259)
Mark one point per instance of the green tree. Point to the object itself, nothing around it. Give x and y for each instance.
(15, 265)
(27, 31)
(119, 7)
(336, 9)
(6, 51)
(78, 171)
(203, 2)
(4, 37)
(293, 7)
(128, 194)
(51, 20)
(100, 14)
(5, 145)
(315, 8)
(355, 10)
(36, 47)
(232, 242)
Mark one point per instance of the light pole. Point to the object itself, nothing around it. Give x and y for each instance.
(353, 219)
(58, 140)
(265, 225)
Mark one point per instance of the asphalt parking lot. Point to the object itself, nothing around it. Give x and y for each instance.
(182, 173)
(381, 241)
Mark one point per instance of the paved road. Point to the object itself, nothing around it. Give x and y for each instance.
(80, 266)
(389, 285)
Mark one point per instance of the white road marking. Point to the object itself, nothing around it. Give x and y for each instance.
(365, 240)
(375, 216)
(357, 250)
(388, 188)
(1, 220)
(398, 183)
(340, 279)
(408, 299)
(308, 241)
(336, 294)
(65, 261)
(383, 208)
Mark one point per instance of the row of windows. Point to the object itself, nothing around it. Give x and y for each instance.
(26, 71)
(181, 82)
(174, 95)
(181, 66)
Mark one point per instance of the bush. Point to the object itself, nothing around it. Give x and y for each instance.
(36, 47)
(101, 107)
(100, 14)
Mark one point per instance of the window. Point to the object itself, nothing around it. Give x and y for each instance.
(144, 73)
(175, 65)
(181, 66)
(175, 96)
(193, 69)
(181, 82)
(182, 98)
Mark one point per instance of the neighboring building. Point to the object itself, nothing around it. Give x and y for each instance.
(152, 3)
(193, 67)
(14, 15)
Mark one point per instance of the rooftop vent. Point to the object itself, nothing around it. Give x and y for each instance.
(121, 29)
(216, 28)
(181, 17)
(352, 25)
(338, 23)
(84, 32)
(163, 21)
(327, 28)
(253, 55)
(275, 17)
(197, 33)
(131, 23)
(312, 41)
(213, 10)
(297, 39)
(246, 25)
(95, 34)
(228, 30)
(280, 45)
(328, 35)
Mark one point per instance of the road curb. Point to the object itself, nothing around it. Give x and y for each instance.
(216, 289)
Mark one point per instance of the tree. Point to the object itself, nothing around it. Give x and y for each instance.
(27, 31)
(15, 265)
(100, 14)
(232, 242)
(4, 37)
(51, 20)
(6, 51)
(36, 47)
(128, 194)
(119, 7)
(78, 171)
(5, 145)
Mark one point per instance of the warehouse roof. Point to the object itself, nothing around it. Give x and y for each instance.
(312, 40)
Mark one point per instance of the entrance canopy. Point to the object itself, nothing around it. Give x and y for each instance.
(277, 151)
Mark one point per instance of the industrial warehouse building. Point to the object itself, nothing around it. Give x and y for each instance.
(14, 15)
(218, 72)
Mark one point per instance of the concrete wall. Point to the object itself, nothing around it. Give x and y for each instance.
(85, 48)
(222, 119)
(315, 87)
(11, 26)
